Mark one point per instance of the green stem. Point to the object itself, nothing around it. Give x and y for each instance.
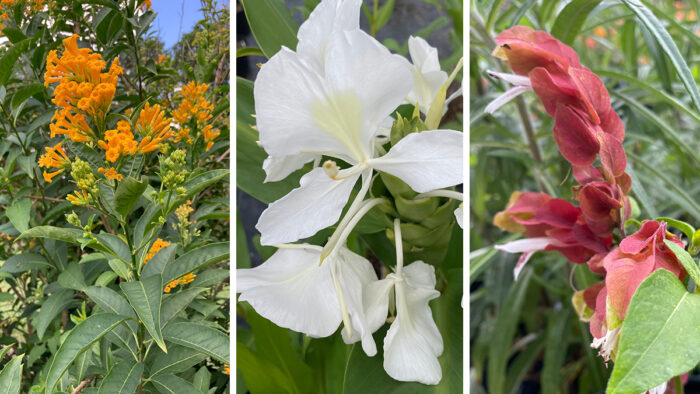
(678, 384)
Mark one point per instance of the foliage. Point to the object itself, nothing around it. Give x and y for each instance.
(114, 219)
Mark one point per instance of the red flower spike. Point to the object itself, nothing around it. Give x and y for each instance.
(525, 49)
(575, 136)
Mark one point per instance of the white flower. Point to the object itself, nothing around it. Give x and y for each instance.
(295, 290)
(302, 112)
(459, 215)
(528, 247)
(428, 78)
(520, 84)
(413, 343)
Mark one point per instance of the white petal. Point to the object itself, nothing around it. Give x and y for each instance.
(420, 275)
(413, 343)
(355, 273)
(377, 302)
(459, 215)
(513, 79)
(291, 101)
(505, 98)
(278, 168)
(293, 291)
(426, 161)
(526, 245)
(358, 64)
(423, 56)
(316, 204)
(327, 17)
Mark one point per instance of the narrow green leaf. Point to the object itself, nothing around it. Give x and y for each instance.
(686, 228)
(53, 305)
(568, 24)
(272, 25)
(686, 259)
(8, 61)
(171, 384)
(69, 235)
(11, 376)
(660, 336)
(249, 51)
(664, 39)
(201, 338)
(127, 195)
(555, 351)
(195, 259)
(24, 262)
(78, 340)
(123, 378)
(145, 297)
(178, 359)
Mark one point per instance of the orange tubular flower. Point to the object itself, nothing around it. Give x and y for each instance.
(161, 59)
(110, 173)
(210, 133)
(55, 157)
(193, 105)
(119, 142)
(145, 5)
(157, 245)
(154, 126)
(73, 125)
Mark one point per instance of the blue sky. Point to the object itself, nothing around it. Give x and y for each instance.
(167, 23)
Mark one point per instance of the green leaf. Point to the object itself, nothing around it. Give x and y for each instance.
(242, 252)
(127, 195)
(115, 246)
(178, 359)
(555, 351)
(201, 338)
(11, 376)
(78, 340)
(53, 305)
(18, 213)
(8, 61)
(73, 278)
(173, 304)
(145, 297)
(24, 262)
(384, 14)
(568, 24)
(211, 277)
(171, 384)
(249, 51)
(25, 93)
(664, 39)
(686, 259)
(156, 264)
(69, 235)
(272, 25)
(660, 336)
(259, 374)
(123, 378)
(686, 228)
(195, 259)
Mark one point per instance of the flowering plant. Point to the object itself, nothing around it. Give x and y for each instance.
(115, 226)
(634, 283)
(364, 133)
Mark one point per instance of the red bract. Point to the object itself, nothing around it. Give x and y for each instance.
(638, 256)
(585, 124)
(538, 215)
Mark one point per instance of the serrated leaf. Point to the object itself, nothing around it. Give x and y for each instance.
(145, 298)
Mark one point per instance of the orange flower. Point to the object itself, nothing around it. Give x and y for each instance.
(161, 59)
(193, 105)
(119, 142)
(154, 126)
(157, 245)
(110, 173)
(171, 286)
(210, 134)
(55, 157)
(73, 125)
(600, 31)
(145, 5)
(227, 369)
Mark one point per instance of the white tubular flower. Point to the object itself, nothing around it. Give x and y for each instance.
(295, 290)
(413, 343)
(520, 84)
(428, 78)
(337, 114)
(528, 247)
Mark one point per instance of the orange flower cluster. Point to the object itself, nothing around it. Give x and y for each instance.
(32, 5)
(194, 107)
(154, 126)
(119, 142)
(145, 5)
(183, 280)
(110, 173)
(83, 89)
(158, 245)
(54, 158)
(161, 59)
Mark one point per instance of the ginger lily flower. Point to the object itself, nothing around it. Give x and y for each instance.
(413, 343)
(300, 111)
(428, 78)
(295, 290)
